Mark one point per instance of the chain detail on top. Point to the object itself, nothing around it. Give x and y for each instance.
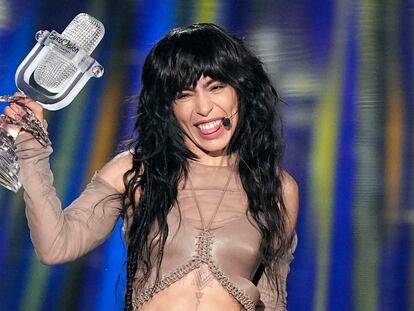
(203, 256)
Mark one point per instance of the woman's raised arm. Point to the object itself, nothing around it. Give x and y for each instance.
(61, 235)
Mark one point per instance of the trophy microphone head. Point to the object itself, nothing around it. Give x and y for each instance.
(55, 71)
(226, 121)
(59, 65)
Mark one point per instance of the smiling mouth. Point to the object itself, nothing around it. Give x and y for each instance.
(209, 129)
(210, 126)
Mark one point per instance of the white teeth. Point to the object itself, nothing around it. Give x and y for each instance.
(209, 125)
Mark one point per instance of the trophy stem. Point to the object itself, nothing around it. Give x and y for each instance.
(9, 168)
(9, 129)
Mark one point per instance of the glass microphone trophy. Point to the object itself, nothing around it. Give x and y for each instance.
(53, 73)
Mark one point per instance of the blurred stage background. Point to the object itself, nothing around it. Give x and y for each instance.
(344, 69)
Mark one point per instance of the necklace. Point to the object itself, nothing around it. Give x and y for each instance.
(207, 228)
(203, 275)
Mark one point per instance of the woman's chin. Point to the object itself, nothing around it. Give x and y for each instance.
(213, 148)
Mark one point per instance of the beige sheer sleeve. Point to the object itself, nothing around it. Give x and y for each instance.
(270, 300)
(62, 235)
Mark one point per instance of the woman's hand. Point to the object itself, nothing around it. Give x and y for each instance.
(15, 112)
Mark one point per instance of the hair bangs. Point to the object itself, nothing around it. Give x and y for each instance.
(189, 55)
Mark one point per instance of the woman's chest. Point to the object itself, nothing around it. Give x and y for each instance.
(232, 244)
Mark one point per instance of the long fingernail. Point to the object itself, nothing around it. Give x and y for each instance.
(17, 106)
(14, 105)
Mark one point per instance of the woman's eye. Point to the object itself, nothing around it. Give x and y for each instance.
(217, 87)
(182, 96)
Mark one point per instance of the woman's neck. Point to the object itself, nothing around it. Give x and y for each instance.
(220, 160)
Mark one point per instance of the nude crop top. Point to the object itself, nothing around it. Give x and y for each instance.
(227, 243)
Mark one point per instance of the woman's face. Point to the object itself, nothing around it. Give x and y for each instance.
(200, 112)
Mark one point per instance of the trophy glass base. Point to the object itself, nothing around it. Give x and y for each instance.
(9, 167)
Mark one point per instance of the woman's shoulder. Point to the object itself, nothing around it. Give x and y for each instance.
(290, 198)
(289, 184)
(113, 171)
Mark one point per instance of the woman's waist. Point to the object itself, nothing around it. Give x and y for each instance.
(198, 290)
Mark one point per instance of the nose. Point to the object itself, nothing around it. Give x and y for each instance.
(204, 104)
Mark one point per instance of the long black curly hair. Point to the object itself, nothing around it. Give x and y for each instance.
(160, 157)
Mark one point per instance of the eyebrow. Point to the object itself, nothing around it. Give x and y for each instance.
(206, 84)
(210, 81)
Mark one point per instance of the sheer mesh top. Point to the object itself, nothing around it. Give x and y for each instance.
(224, 238)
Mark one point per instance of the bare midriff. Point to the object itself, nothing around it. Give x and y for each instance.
(197, 291)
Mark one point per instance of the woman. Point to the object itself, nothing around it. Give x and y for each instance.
(209, 213)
